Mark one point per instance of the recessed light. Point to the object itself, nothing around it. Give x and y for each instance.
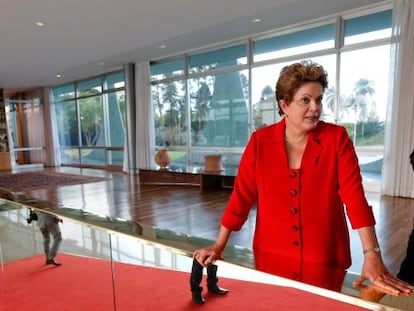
(256, 20)
(163, 46)
(58, 76)
(101, 63)
(40, 24)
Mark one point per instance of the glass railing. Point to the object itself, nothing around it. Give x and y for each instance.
(114, 264)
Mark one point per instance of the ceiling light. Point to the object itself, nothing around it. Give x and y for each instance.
(40, 24)
(101, 63)
(163, 46)
(58, 76)
(256, 20)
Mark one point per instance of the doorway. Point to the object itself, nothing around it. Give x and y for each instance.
(26, 131)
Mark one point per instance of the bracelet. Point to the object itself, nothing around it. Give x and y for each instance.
(372, 249)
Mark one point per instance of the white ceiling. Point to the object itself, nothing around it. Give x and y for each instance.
(80, 34)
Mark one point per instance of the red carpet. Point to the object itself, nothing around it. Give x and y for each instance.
(41, 180)
(85, 284)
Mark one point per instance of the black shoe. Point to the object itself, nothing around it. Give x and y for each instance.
(198, 299)
(53, 262)
(218, 290)
(212, 281)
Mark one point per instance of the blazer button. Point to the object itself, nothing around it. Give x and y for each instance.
(295, 228)
(293, 174)
(295, 276)
(293, 210)
(293, 192)
(296, 243)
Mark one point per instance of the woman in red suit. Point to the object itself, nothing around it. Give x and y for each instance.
(303, 176)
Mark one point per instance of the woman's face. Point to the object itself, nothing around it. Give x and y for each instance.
(305, 109)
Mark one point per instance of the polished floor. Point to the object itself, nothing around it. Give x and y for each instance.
(187, 210)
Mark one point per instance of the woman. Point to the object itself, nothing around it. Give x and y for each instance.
(301, 172)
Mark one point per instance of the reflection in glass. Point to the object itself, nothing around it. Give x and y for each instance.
(90, 238)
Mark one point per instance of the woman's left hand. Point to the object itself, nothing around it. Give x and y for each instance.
(375, 271)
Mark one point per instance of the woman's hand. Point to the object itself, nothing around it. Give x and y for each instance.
(208, 255)
(375, 271)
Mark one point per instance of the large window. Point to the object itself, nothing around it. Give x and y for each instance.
(91, 120)
(220, 96)
(208, 111)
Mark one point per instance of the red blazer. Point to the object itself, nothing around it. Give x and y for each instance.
(300, 213)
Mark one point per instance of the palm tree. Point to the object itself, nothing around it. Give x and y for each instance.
(330, 98)
(362, 89)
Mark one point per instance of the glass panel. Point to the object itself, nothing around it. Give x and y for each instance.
(219, 116)
(115, 252)
(69, 155)
(235, 55)
(89, 87)
(115, 158)
(22, 244)
(166, 69)
(116, 119)
(67, 121)
(265, 108)
(300, 42)
(91, 121)
(168, 102)
(363, 102)
(93, 156)
(368, 27)
(114, 80)
(63, 92)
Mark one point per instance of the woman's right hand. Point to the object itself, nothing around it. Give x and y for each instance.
(208, 255)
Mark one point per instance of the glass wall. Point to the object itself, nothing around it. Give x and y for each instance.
(114, 264)
(222, 95)
(91, 120)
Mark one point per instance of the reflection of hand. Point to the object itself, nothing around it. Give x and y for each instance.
(371, 293)
(374, 271)
(208, 255)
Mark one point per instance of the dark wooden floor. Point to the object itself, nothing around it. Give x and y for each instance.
(186, 209)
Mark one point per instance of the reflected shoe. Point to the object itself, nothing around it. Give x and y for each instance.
(53, 262)
(217, 290)
(198, 299)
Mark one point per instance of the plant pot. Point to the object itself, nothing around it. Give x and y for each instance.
(162, 159)
(212, 163)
